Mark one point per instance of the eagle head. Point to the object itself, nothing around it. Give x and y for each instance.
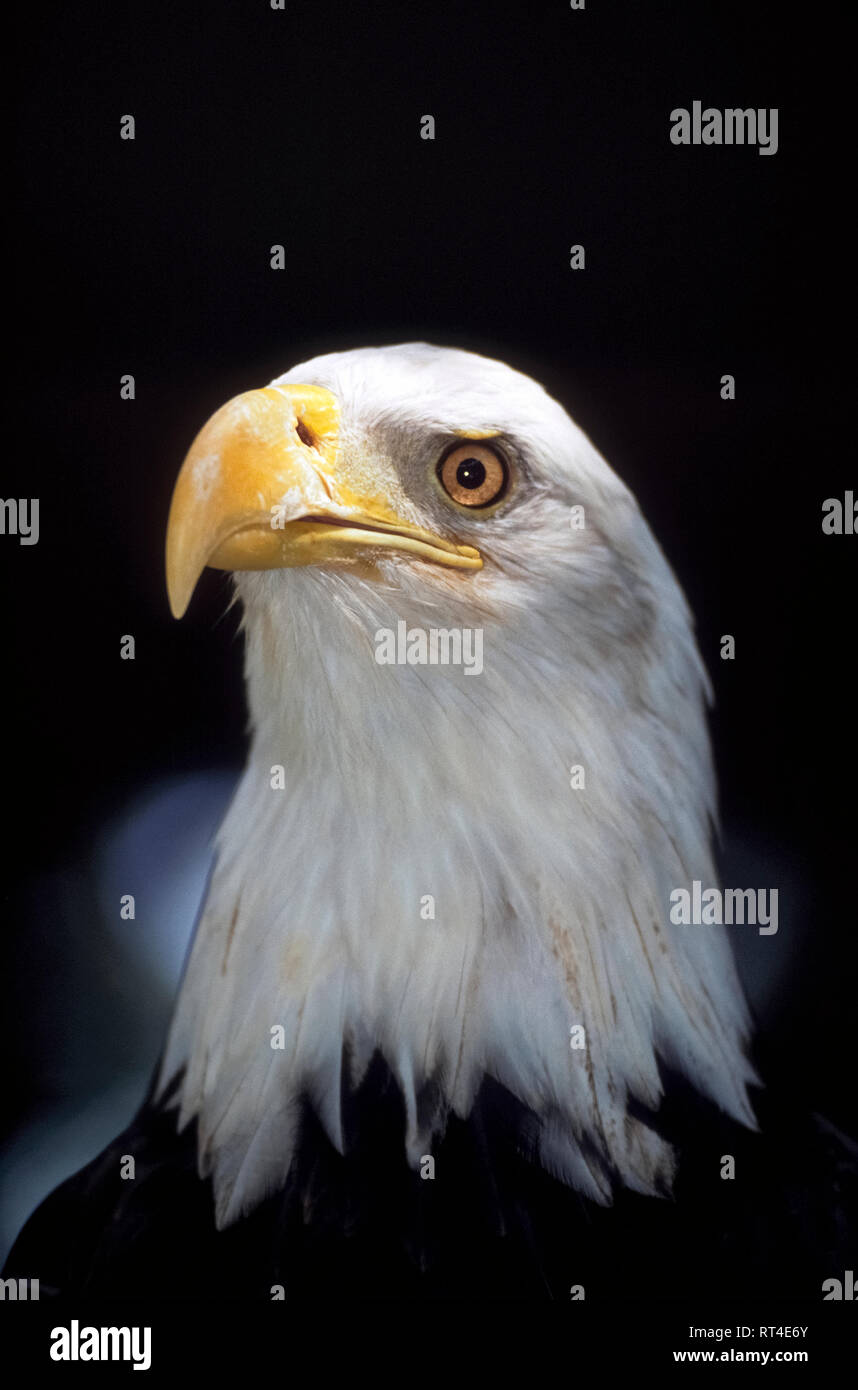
(478, 766)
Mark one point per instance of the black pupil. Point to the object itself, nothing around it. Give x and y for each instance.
(471, 473)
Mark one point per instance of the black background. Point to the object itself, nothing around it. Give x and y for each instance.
(301, 127)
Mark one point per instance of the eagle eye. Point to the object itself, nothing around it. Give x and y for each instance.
(473, 475)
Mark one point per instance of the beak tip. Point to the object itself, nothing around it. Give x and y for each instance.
(178, 596)
(182, 570)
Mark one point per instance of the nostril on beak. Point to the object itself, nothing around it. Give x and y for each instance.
(310, 440)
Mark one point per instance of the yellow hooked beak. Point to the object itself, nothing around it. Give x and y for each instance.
(265, 486)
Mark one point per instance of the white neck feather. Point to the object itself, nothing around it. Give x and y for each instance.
(550, 904)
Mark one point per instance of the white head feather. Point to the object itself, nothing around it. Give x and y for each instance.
(405, 781)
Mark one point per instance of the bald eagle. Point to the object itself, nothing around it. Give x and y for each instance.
(436, 1023)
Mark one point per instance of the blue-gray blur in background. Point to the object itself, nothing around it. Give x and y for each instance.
(109, 983)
